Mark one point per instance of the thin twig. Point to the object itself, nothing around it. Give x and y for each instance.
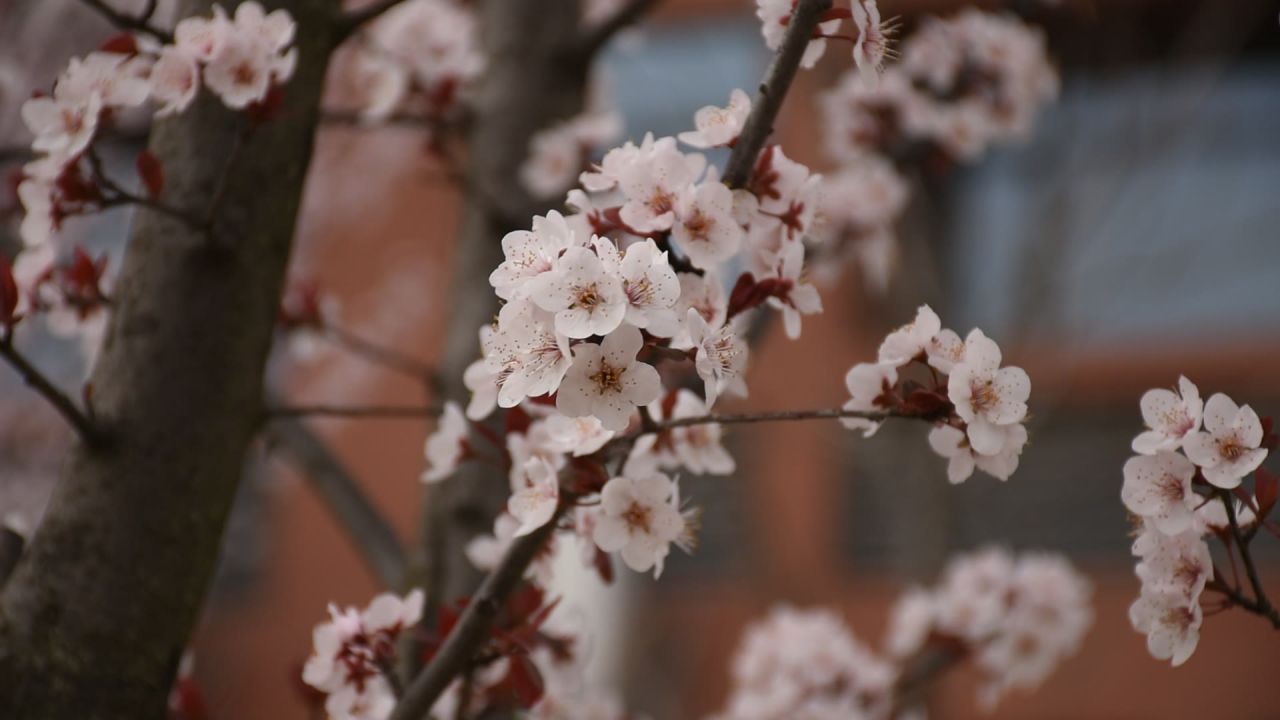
(372, 534)
(598, 35)
(759, 124)
(380, 355)
(119, 195)
(775, 416)
(472, 628)
(349, 23)
(141, 24)
(36, 380)
(353, 411)
(1261, 604)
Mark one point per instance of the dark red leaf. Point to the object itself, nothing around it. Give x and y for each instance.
(151, 172)
(1269, 438)
(523, 682)
(8, 294)
(268, 108)
(122, 43)
(603, 564)
(518, 421)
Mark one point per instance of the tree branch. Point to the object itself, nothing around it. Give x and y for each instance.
(1261, 604)
(11, 544)
(369, 531)
(380, 355)
(351, 22)
(775, 416)
(36, 380)
(125, 21)
(759, 125)
(473, 626)
(353, 411)
(598, 35)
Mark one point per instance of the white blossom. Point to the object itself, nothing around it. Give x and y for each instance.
(1170, 417)
(607, 382)
(705, 229)
(648, 282)
(534, 503)
(716, 126)
(911, 340)
(639, 517)
(1158, 488)
(446, 446)
(720, 356)
(585, 297)
(1229, 446)
(870, 386)
(987, 396)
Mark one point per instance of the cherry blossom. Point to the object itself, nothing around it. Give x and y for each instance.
(705, 229)
(648, 281)
(911, 340)
(607, 382)
(530, 253)
(175, 78)
(716, 126)
(720, 356)
(869, 385)
(446, 446)
(987, 396)
(797, 298)
(1158, 488)
(577, 436)
(953, 444)
(557, 154)
(872, 46)
(705, 295)
(639, 517)
(486, 551)
(63, 127)
(652, 181)
(1171, 623)
(251, 55)
(1170, 416)
(585, 297)
(1229, 447)
(697, 448)
(354, 650)
(535, 502)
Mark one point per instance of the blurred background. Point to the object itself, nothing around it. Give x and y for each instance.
(1133, 238)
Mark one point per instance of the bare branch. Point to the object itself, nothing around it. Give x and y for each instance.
(36, 380)
(354, 411)
(11, 544)
(372, 535)
(473, 626)
(381, 355)
(759, 125)
(141, 24)
(775, 416)
(597, 36)
(351, 22)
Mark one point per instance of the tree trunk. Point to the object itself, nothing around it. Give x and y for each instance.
(99, 610)
(536, 76)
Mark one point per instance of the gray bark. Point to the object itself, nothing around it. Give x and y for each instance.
(99, 609)
(537, 75)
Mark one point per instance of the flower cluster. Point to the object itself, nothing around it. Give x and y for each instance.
(558, 154)
(1015, 618)
(240, 59)
(962, 84)
(353, 652)
(594, 300)
(1160, 489)
(806, 665)
(977, 406)
(419, 53)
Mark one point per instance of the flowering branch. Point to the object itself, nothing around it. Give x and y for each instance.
(140, 23)
(354, 411)
(920, 672)
(1261, 604)
(473, 626)
(31, 375)
(372, 535)
(599, 35)
(759, 124)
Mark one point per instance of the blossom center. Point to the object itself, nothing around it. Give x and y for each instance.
(608, 378)
(985, 396)
(1231, 449)
(589, 297)
(637, 517)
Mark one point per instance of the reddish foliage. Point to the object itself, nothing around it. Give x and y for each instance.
(151, 172)
(121, 43)
(8, 295)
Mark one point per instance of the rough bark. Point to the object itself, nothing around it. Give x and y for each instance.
(98, 611)
(537, 75)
